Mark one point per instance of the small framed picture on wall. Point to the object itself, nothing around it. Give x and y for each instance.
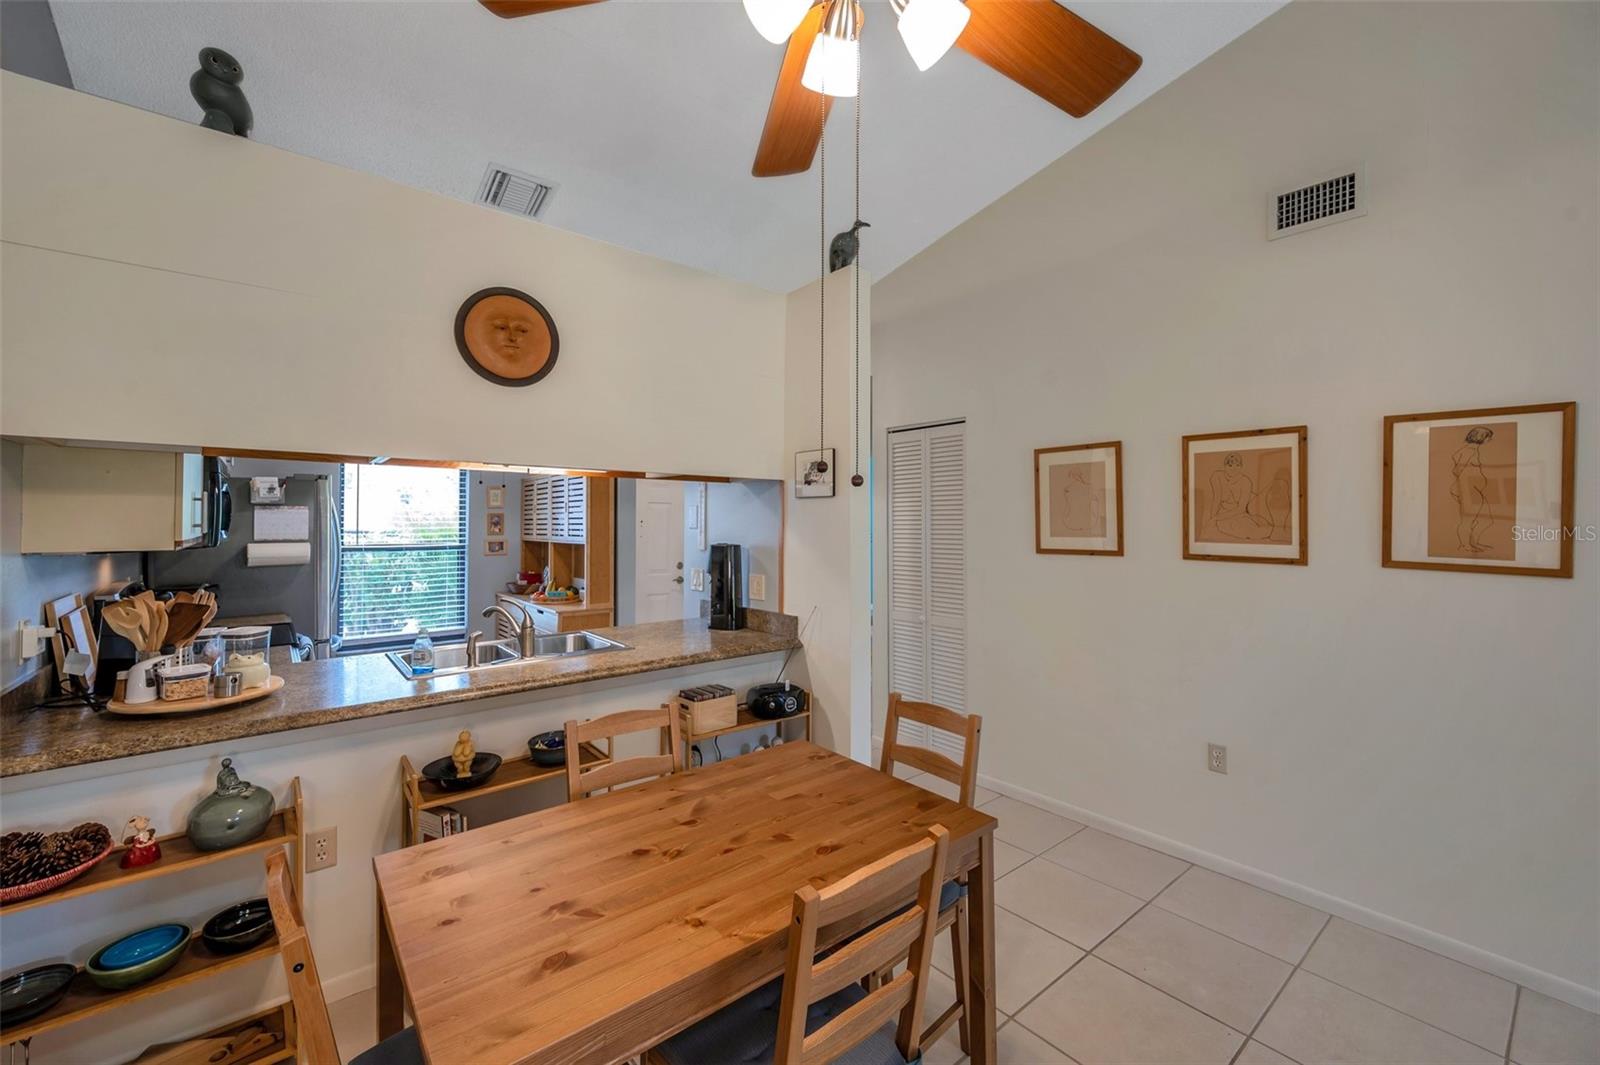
(494, 547)
(1077, 499)
(494, 496)
(1486, 491)
(813, 474)
(1244, 496)
(494, 522)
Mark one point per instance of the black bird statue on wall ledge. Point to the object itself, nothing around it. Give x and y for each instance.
(215, 87)
(844, 248)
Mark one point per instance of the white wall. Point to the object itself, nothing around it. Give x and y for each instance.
(748, 513)
(1420, 744)
(826, 553)
(31, 581)
(284, 303)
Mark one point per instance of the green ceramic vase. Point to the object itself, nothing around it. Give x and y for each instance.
(237, 812)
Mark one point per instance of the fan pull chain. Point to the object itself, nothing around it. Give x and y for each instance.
(856, 479)
(822, 289)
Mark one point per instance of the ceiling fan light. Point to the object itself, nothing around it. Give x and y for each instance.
(776, 19)
(930, 27)
(835, 59)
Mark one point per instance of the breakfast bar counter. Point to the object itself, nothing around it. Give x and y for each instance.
(326, 691)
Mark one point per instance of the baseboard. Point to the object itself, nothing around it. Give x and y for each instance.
(351, 983)
(1537, 979)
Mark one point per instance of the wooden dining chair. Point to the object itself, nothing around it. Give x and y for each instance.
(819, 1012)
(583, 780)
(964, 775)
(314, 1030)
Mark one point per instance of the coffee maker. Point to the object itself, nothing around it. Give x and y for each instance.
(727, 586)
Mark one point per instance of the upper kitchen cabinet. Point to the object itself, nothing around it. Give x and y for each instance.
(555, 509)
(568, 529)
(77, 500)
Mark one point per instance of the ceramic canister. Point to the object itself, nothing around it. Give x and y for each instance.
(237, 812)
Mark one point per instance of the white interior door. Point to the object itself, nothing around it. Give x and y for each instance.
(928, 574)
(658, 552)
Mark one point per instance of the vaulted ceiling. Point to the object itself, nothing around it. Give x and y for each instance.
(644, 113)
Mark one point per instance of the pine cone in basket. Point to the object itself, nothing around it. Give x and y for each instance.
(29, 856)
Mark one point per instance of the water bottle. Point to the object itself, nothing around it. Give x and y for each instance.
(422, 654)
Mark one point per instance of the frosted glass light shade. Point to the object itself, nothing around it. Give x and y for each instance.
(831, 68)
(930, 27)
(776, 19)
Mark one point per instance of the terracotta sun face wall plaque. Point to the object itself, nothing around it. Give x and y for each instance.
(507, 336)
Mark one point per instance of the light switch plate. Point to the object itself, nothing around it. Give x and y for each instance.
(758, 587)
(697, 580)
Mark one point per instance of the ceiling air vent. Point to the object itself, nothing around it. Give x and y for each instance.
(510, 190)
(1334, 200)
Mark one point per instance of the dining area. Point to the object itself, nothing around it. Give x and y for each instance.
(780, 906)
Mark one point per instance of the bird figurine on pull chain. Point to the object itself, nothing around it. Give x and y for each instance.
(844, 248)
(215, 87)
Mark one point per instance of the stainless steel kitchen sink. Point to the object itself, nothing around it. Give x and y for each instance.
(450, 659)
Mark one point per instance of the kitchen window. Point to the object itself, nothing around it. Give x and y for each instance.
(402, 554)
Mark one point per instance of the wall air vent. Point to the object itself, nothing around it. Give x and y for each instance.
(1323, 203)
(509, 190)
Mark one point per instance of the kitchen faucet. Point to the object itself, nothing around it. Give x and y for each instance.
(525, 631)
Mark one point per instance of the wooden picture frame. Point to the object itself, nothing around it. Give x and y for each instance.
(494, 548)
(54, 611)
(1236, 504)
(1077, 499)
(1517, 463)
(78, 631)
(494, 523)
(494, 496)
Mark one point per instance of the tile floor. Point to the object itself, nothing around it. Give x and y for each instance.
(1109, 952)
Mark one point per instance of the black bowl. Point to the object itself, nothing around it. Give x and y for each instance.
(442, 771)
(29, 993)
(548, 748)
(239, 927)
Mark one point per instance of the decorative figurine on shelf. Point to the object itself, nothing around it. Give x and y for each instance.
(140, 839)
(237, 812)
(215, 87)
(463, 753)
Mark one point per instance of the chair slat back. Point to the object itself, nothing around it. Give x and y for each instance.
(582, 781)
(963, 774)
(806, 980)
(314, 1028)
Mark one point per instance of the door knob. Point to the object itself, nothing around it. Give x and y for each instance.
(678, 579)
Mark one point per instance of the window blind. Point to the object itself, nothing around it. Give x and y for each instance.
(402, 553)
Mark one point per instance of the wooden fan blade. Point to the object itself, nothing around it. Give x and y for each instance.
(518, 8)
(1049, 51)
(795, 116)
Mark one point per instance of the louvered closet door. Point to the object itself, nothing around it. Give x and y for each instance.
(928, 574)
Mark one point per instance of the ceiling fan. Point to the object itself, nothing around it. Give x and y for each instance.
(1038, 44)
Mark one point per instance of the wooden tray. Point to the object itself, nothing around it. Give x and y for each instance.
(194, 706)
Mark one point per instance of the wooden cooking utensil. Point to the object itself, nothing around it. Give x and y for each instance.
(184, 622)
(126, 620)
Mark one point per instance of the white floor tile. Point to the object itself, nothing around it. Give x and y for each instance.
(1550, 1032)
(1256, 1054)
(355, 1022)
(1007, 858)
(1281, 927)
(1100, 1015)
(1317, 1021)
(1447, 994)
(1027, 958)
(1028, 827)
(1018, 1046)
(1214, 974)
(1126, 866)
(1079, 910)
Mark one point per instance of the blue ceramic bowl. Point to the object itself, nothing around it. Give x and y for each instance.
(32, 991)
(548, 748)
(135, 958)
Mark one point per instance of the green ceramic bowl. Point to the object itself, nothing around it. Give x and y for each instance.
(142, 956)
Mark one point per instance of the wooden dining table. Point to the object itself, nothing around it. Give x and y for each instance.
(591, 931)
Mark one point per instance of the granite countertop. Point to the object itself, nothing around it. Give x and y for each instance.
(360, 686)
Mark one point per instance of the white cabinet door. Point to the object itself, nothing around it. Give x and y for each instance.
(190, 509)
(928, 574)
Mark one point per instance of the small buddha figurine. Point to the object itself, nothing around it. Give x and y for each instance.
(463, 753)
(140, 839)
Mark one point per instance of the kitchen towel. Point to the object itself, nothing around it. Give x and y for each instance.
(278, 554)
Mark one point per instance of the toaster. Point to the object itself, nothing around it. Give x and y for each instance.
(772, 701)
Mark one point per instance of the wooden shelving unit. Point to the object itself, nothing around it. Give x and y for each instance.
(230, 1044)
(745, 720)
(418, 793)
(84, 999)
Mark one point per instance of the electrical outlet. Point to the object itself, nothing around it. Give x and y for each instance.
(322, 849)
(1216, 758)
(758, 587)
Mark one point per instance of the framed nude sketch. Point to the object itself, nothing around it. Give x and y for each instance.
(1244, 496)
(1077, 499)
(1486, 491)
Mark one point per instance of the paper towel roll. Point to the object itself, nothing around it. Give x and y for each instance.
(278, 554)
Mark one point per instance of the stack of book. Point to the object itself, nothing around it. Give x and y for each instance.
(441, 822)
